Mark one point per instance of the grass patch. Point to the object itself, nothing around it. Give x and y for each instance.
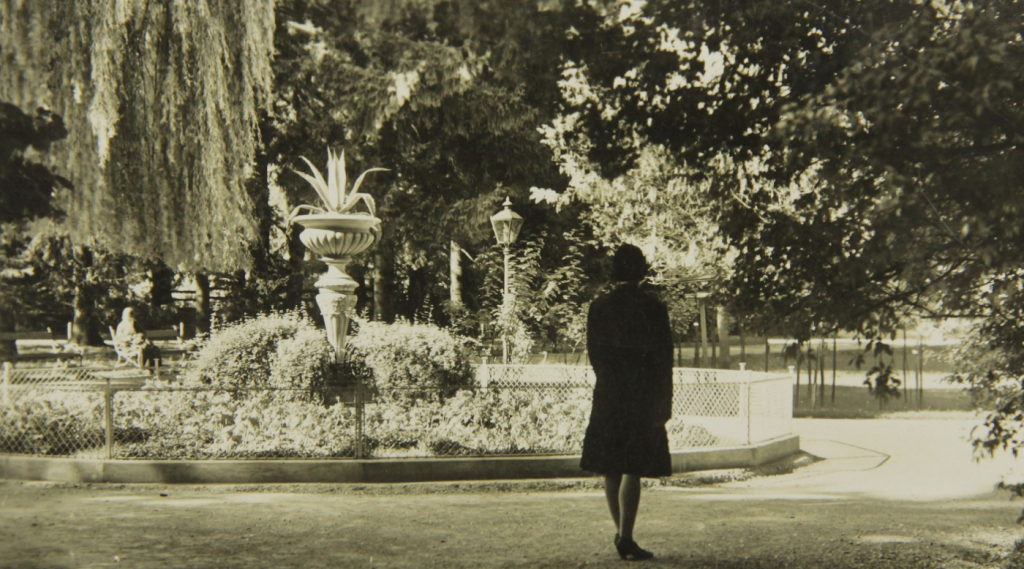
(711, 477)
(852, 402)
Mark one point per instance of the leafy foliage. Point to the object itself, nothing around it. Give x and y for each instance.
(282, 350)
(28, 184)
(304, 362)
(218, 424)
(446, 95)
(161, 101)
(58, 423)
(898, 143)
(406, 359)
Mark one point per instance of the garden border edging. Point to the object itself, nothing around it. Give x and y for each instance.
(362, 471)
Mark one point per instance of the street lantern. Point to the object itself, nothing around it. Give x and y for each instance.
(507, 224)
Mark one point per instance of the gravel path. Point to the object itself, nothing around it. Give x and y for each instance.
(837, 513)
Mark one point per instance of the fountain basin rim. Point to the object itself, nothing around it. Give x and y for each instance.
(337, 221)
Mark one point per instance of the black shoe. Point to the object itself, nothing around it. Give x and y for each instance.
(630, 551)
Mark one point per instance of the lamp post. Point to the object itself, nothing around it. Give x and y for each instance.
(506, 224)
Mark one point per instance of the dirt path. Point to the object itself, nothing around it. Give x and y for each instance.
(909, 497)
(51, 526)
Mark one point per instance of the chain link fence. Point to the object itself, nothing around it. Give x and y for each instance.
(515, 411)
(53, 411)
(709, 407)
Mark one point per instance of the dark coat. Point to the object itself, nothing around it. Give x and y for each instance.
(630, 346)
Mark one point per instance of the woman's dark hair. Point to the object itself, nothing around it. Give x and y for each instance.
(629, 263)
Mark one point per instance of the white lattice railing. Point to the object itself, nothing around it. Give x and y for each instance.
(709, 407)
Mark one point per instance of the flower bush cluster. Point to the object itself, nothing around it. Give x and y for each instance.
(481, 422)
(257, 389)
(412, 356)
(493, 421)
(303, 362)
(281, 350)
(167, 422)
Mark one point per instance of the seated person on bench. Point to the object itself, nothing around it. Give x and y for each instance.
(131, 336)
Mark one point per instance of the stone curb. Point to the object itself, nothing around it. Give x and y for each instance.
(392, 471)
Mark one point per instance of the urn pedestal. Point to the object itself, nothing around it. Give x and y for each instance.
(336, 237)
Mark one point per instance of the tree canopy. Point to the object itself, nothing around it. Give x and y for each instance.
(821, 140)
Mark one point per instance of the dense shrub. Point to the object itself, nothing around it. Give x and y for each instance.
(405, 356)
(683, 435)
(166, 421)
(401, 423)
(305, 363)
(497, 421)
(244, 354)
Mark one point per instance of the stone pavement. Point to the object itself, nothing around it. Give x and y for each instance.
(890, 459)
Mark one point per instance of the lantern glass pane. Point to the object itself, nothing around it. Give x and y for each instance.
(514, 225)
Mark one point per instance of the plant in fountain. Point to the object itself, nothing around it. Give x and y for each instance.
(336, 232)
(332, 191)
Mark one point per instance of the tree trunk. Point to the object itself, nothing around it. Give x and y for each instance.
(7, 347)
(703, 331)
(258, 188)
(723, 321)
(202, 302)
(455, 273)
(834, 356)
(296, 262)
(382, 310)
(84, 331)
(162, 279)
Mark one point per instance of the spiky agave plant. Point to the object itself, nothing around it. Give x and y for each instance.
(332, 192)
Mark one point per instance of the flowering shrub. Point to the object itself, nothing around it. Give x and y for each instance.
(215, 424)
(500, 421)
(481, 422)
(682, 435)
(400, 423)
(412, 356)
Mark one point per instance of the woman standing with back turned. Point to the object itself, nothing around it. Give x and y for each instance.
(630, 346)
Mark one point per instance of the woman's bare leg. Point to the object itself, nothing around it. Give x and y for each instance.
(612, 482)
(629, 504)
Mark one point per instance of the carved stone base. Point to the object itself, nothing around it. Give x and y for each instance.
(336, 309)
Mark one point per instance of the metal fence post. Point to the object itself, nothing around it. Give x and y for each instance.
(108, 419)
(8, 370)
(359, 417)
(750, 417)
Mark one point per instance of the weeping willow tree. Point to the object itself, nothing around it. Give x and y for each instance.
(161, 99)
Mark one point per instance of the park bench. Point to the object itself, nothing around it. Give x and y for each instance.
(61, 351)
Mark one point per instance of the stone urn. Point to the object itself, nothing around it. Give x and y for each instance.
(336, 237)
(336, 232)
